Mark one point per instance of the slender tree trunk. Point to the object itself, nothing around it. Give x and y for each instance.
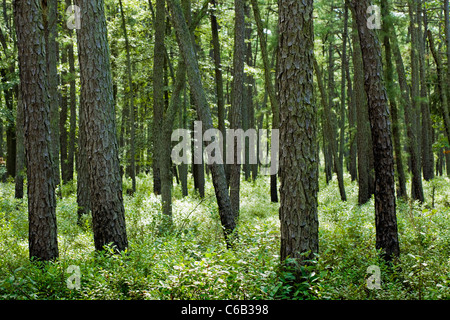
(363, 140)
(73, 113)
(131, 100)
(228, 219)
(50, 10)
(385, 206)
(218, 76)
(390, 88)
(43, 243)
(426, 147)
(108, 216)
(441, 85)
(237, 100)
(20, 156)
(269, 86)
(158, 90)
(412, 116)
(63, 119)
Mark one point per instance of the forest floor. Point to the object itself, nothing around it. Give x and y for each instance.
(192, 262)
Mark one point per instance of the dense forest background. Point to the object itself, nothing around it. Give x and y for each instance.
(91, 92)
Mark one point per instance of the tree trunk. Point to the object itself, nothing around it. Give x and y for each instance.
(269, 86)
(385, 206)
(158, 90)
(426, 147)
(63, 119)
(50, 12)
(237, 100)
(43, 243)
(227, 217)
(130, 94)
(20, 148)
(218, 76)
(441, 85)
(298, 152)
(412, 115)
(108, 216)
(388, 27)
(363, 140)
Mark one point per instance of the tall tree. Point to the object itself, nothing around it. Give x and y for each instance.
(158, 89)
(99, 128)
(43, 244)
(50, 13)
(227, 217)
(390, 88)
(385, 203)
(298, 152)
(269, 85)
(130, 94)
(20, 148)
(412, 115)
(237, 100)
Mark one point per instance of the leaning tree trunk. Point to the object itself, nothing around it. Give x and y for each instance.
(100, 145)
(43, 243)
(228, 219)
(298, 123)
(385, 206)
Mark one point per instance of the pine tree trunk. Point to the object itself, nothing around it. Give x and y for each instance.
(298, 152)
(50, 10)
(158, 90)
(100, 145)
(412, 114)
(426, 147)
(390, 88)
(130, 94)
(385, 206)
(227, 217)
(42, 239)
(363, 139)
(237, 100)
(63, 119)
(20, 148)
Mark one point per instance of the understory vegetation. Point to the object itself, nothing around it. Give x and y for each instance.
(192, 261)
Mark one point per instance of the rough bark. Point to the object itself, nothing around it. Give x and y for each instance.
(385, 203)
(158, 89)
(106, 200)
(42, 239)
(363, 139)
(298, 153)
(390, 88)
(227, 217)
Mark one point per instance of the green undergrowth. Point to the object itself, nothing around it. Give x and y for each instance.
(192, 262)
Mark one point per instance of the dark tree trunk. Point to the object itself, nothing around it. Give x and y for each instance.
(227, 217)
(363, 140)
(20, 156)
(42, 239)
(298, 152)
(158, 90)
(108, 216)
(130, 94)
(385, 206)
(426, 147)
(63, 119)
(237, 100)
(412, 115)
(390, 88)
(50, 17)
